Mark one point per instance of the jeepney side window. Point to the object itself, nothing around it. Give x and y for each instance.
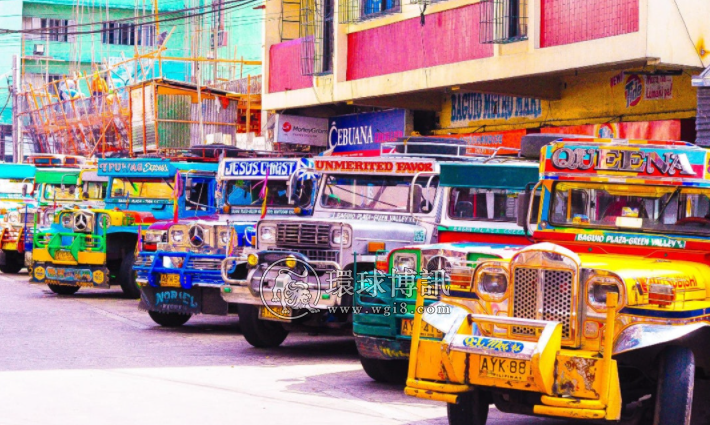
(483, 204)
(95, 190)
(425, 193)
(304, 192)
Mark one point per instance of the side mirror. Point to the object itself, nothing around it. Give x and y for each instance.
(119, 192)
(523, 204)
(24, 190)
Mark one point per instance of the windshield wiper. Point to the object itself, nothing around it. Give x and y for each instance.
(663, 208)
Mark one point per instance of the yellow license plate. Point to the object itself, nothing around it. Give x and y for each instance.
(275, 313)
(64, 256)
(170, 280)
(428, 331)
(502, 368)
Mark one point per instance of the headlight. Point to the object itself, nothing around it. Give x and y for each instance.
(404, 262)
(177, 235)
(48, 218)
(223, 236)
(340, 236)
(493, 283)
(598, 288)
(154, 236)
(267, 233)
(13, 217)
(104, 221)
(66, 220)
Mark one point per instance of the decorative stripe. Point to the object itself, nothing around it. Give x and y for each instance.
(688, 314)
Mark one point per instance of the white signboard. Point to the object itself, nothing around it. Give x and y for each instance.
(301, 130)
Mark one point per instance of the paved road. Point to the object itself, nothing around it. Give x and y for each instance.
(94, 358)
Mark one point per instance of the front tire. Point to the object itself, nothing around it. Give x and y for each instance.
(674, 392)
(63, 289)
(257, 332)
(471, 409)
(169, 320)
(388, 371)
(14, 262)
(127, 277)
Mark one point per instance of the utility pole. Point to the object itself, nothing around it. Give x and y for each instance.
(16, 132)
(199, 103)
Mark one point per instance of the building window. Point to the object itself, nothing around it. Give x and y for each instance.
(128, 34)
(352, 11)
(317, 34)
(503, 21)
(48, 29)
(372, 8)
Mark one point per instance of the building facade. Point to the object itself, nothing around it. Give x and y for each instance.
(489, 70)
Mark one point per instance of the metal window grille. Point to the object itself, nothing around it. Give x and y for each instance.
(316, 33)
(503, 21)
(352, 11)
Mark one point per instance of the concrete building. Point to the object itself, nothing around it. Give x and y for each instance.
(488, 70)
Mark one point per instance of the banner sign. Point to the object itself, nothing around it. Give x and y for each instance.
(487, 143)
(258, 168)
(364, 166)
(301, 130)
(659, 87)
(468, 107)
(362, 134)
(644, 130)
(133, 168)
(654, 161)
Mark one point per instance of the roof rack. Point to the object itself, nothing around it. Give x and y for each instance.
(440, 148)
(56, 160)
(213, 153)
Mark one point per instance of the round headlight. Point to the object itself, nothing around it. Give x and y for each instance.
(177, 235)
(49, 218)
(104, 222)
(266, 233)
(224, 236)
(66, 220)
(13, 217)
(493, 283)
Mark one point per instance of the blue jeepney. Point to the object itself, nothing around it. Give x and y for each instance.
(187, 263)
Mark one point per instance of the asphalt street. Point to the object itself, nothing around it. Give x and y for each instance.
(94, 358)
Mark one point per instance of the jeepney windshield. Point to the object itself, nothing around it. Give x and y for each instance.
(249, 192)
(483, 204)
(55, 192)
(13, 187)
(151, 188)
(667, 209)
(95, 190)
(378, 193)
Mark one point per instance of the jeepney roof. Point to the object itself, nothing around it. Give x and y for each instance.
(152, 167)
(17, 171)
(57, 175)
(625, 161)
(375, 166)
(91, 175)
(512, 174)
(255, 168)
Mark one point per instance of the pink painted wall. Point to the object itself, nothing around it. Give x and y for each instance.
(572, 21)
(447, 37)
(285, 67)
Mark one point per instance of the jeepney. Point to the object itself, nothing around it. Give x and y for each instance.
(95, 247)
(16, 199)
(481, 205)
(300, 278)
(605, 317)
(187, 263)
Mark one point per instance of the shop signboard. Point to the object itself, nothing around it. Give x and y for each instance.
(362, 134)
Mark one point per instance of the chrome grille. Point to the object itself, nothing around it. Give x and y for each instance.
(555, 288)
(205, 263)
(319, 254)
(300, 234)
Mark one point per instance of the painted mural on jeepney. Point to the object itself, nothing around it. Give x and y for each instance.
(79, 276)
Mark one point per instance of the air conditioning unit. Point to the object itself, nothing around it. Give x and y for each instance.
(39, 49)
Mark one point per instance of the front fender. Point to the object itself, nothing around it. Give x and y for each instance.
(640, 336)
